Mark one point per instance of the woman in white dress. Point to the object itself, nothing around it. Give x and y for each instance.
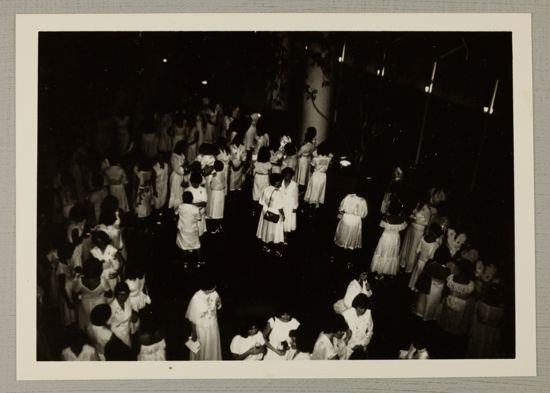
(200, 198)
(216, 197)
(189, 218)
(419, 220)
(202, 313)
(225, 157)
(261, 171)
(276, 334)
(271, 232)
(334, 329)
(78, 349)
(238, 157)
(386, 256)
(249, 344)
(108, 255)
(90, 290)
(193, 138)
(353, 209)
(317, 184)
(143, 195)
(290, 191)
(122, 314)
(98, 331)
(304, 157)
(290, 160)
(135, 279)
(360, 325)
(160, 182)
(355, 287)
(117, 180)
(110, 223)
(177, 161)
(262, 140)
(425, 251)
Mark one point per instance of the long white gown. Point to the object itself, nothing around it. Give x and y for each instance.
(203, 312)
(349, 230)
(386, 256)
(216, 196)
(189, 217)
(304, 161)
(291, 200)
(261, 178)
(161, 184)
(199, 195)
(272, 200)
(176, 190)
(315, 192)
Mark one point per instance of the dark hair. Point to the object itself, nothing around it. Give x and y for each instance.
(121, 287)
(442, 209)
(218, 165)
(100, 236)
(358, 354)
(222, 145)
(333, 323)
(134, 270)
(290, 149)
(75, 336)
(100, 314)
(433, 233)
(180, 147)
(195, 167)
(65, 251)
(238, 139)
(149, 322)
(92, 268)
(208, 149)
(116, 350)
(245, 327)
(361, 301)
(323, 149)
(311, 132)
(77, 213)
(287, 171)
(195, 178)
(263, 154)
(187, 197)
(275, 178)
(304, 338)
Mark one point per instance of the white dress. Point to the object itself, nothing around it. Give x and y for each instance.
(144, 193)
(199, 195)
(279, 333)
(261, 178)
(353, 289)
(425, 251)
(304, 161)
(225, 158)
(323, 348)
(240, 345)
(350, 227)
(386, 256)
(138, 298)
(110, 262)
(176, 178)
(117, 180)
(290, 193)
(89, 298)
(161, 184)
(88, 353)
(189, 217)
(154, 352)
(120, 321)
(315, 193)
(272, 200)
(216, 196)
(362, 328)
(238, 156)
(412, 238)
(203, 312)
(99, 337)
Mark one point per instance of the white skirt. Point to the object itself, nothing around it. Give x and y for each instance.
(176, 190)
(261, 182)
(210, 349)
(214, 208)
(270, 231)
(386, 255)
(349, 232)
(302, 174)
(316, 186)
(289, 224)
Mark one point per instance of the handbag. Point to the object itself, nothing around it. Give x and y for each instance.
(270, 216)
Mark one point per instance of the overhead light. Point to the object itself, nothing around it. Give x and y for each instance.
(377, 72)
(340, 60)
(165, 60)
(427, 89)
(486, 109)
(306, 47)
(205, 82)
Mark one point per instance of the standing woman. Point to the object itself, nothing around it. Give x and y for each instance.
(160, 182)
(315, 193)
(277, 334)
(143, 172)
(202, 313)
(90, 290)
(117, 180)
(353, 209)
(419, 220)
(194, 131)
(177, 160)
(262, 139)
(261, 172)
(290, 160)
(225, 157)
(386, 256)
(164, 138)
(237, 157)
(425, 251)
(216, 197)
(178, 129)
(290, 191)
(304, 156)
(271, 223)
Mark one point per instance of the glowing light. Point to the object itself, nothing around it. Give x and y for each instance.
(485, 109)
(377, 72)
(383, 70)
(427, 89)
(165, 60)
(205, 82)
(306, 47)
(340, 60)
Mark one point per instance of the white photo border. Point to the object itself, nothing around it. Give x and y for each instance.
(27, 30)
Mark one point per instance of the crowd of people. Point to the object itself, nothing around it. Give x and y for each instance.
(182, 171)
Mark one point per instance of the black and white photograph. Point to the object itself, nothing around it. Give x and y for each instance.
(248, 196)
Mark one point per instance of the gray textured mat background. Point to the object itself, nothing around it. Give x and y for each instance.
(541, 45)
